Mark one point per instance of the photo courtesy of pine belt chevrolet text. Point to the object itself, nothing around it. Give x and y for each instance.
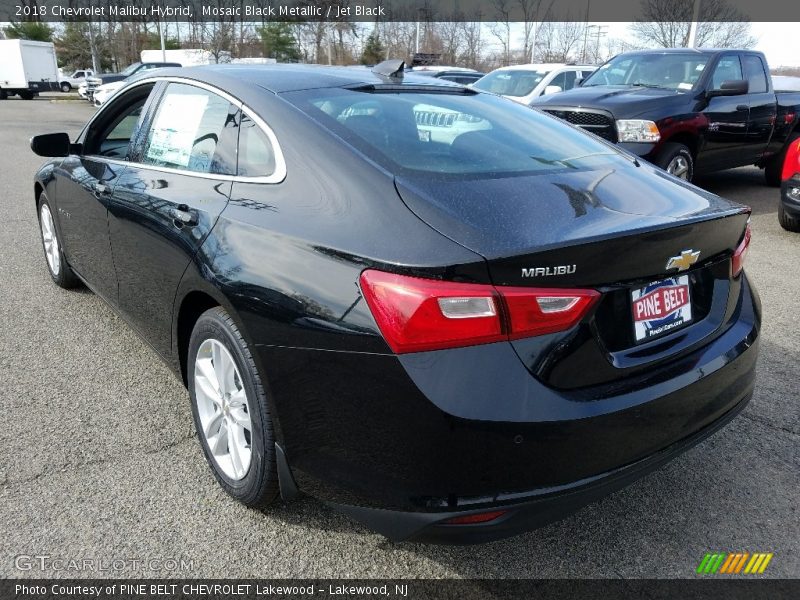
(448, 315)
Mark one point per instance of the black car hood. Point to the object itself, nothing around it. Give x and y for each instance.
(513, 215)
(621, 101)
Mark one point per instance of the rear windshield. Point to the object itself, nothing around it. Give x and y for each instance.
(515, 83)
(451, 133)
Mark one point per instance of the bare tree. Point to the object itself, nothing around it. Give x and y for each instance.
(666, 23)
(501, 29)
(559, 41)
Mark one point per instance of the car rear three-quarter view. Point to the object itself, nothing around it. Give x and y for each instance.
(450, 316)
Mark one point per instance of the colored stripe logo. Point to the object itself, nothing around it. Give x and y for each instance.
(734, 563)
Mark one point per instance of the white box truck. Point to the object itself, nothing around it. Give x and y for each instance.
(27, 68)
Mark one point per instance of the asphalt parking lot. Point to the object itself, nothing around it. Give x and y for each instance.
(99, 459)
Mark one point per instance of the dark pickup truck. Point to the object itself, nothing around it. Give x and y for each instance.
(687, 111)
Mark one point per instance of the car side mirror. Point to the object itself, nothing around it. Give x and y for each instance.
(552, 89)
(51, 144)
(579, 81)
(733, 87)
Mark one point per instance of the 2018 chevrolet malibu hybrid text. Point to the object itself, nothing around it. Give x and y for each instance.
(451, 316)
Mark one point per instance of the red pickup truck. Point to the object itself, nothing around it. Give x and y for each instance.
(789, 208)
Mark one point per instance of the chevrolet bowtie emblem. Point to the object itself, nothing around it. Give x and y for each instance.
(686, 259)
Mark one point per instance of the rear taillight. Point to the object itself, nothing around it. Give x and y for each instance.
(740, 254)
(416, 314)
(791, 162)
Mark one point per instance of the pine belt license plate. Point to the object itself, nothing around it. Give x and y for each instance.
(661, 307)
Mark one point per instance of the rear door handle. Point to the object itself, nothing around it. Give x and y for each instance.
(183, 215)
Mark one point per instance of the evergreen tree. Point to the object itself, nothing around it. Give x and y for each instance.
(374, 52)
(30, 30)
(279, 43)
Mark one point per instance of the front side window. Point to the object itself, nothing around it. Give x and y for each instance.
(727, 69)
(110, 135)
(423, 133)
(193, 129)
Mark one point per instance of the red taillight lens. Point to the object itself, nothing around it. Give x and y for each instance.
(416, 314)
(739, 255)
(791, 162)
(478, 518)
(540, 311)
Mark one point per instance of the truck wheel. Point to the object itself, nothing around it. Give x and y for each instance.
(774, 166)
(676, 159)
(26, 95)
(3, 94)
(788, 223)
(66, 87)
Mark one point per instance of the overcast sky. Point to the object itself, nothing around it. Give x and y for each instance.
(780, 42)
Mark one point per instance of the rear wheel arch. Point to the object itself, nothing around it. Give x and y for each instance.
(192, 306)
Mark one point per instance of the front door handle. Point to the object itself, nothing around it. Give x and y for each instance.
(742, 107)
(101, 189)
(183, 215)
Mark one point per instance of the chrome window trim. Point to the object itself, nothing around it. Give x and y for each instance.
(277, 176)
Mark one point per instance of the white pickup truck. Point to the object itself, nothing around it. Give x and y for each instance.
(67, 82)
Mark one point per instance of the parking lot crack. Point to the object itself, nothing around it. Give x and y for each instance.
(7, 482)
(768, 424)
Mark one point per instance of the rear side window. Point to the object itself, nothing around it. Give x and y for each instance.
(754, 73)
(193, 129)
(256, 154)
(453, 133)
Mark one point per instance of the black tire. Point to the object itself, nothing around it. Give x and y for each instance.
(26, 95)
(774, 166)
(676, 157)
(63, 276)
(66, 86)
(788, 222)
(259, 487)
(3, 94)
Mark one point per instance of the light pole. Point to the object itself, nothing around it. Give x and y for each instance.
(693, 26)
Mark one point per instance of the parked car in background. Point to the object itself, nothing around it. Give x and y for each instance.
(27, 68)
(464, 77)
(105, 91)
(525, 83)
(451, 338)
(789, 207)
(66, 83)
(94, 82)
(688, 111)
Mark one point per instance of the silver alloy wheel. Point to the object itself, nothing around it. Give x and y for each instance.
(223, 409)
(679, 167)
(50, 240)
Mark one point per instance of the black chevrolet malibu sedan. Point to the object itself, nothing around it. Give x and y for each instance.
(448, 315)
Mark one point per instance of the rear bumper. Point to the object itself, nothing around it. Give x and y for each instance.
(791, 201)
(525, 512)
(404, 443)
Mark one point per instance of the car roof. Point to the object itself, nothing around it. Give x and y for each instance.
(544, 67)
(279, 78)
(702, 51)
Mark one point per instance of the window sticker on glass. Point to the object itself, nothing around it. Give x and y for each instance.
(173, 133)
